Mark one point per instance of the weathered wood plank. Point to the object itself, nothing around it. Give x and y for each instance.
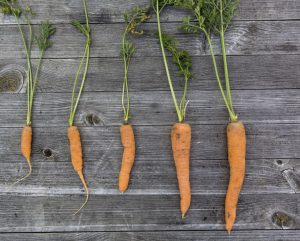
(147, 74)
(110, 11)
(243, 38)
(54, 175)
(152, 108)
(144, 212)
(251, 235)
(264, 141)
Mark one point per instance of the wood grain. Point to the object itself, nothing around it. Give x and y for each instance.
(263, 55)
(144, 213)
(147, 74)
(111, 11)
(249, 235)
(152, 108)
(243, 38)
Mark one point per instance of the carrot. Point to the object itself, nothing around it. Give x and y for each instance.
(181, 145)
(26, 140)
(236, 141)
(76, 158)
(128, 142)
(181, 132)
(133, 19)
(73, 132)
(46, 30)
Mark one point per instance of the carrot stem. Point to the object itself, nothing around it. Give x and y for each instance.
(179, 115)
(85, 57)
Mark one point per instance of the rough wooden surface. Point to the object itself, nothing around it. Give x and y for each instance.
(263, 46)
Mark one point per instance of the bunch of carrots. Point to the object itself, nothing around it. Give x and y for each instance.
(208, 17)
(46, 30)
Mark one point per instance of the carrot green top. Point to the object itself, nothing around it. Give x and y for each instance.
(46, 30)
(85, 30)
(181, 58)
(212, 16)
(133, 19)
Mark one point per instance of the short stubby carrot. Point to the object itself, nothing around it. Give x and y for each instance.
(26, 140)
(236, 141)
(181, 145)
(128, 142)
(76, 158)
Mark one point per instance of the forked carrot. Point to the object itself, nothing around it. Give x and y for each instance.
(181, 145)
(236, 141)
(128, 142)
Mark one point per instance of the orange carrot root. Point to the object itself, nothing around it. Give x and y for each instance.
(76, 158)
(26, 140)
(128, 142)
(236, 141)
(181, 145)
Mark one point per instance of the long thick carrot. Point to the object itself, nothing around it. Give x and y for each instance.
(236, 141)
(76, 158)
(181, 145)
(128, 142)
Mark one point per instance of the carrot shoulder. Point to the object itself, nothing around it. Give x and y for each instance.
(76, 158)
(236, 141)
(181, 145)
(128, 142)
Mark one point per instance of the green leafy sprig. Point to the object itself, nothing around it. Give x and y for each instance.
(42, 39)
(86, 31)
(213, 16)
(181, 58)
(133, 19)
(46, 30)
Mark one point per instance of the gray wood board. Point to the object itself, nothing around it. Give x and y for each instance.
(243, 38)
(264, 141)
(144, 212)
(110, 11)
(268, 235)
(151, 108)
(147, 74)
(253, 235)
(263, 49)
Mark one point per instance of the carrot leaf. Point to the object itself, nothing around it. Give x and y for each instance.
(133, 20)
(84, 63)
(212, 16)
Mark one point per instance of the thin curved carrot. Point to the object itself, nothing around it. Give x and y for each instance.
(76, 158)
(128, 142)
(26, 140)
(181, 145)
(236, 141)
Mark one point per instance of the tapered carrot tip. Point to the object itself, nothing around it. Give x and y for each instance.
(228, 228)
(123, 182)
